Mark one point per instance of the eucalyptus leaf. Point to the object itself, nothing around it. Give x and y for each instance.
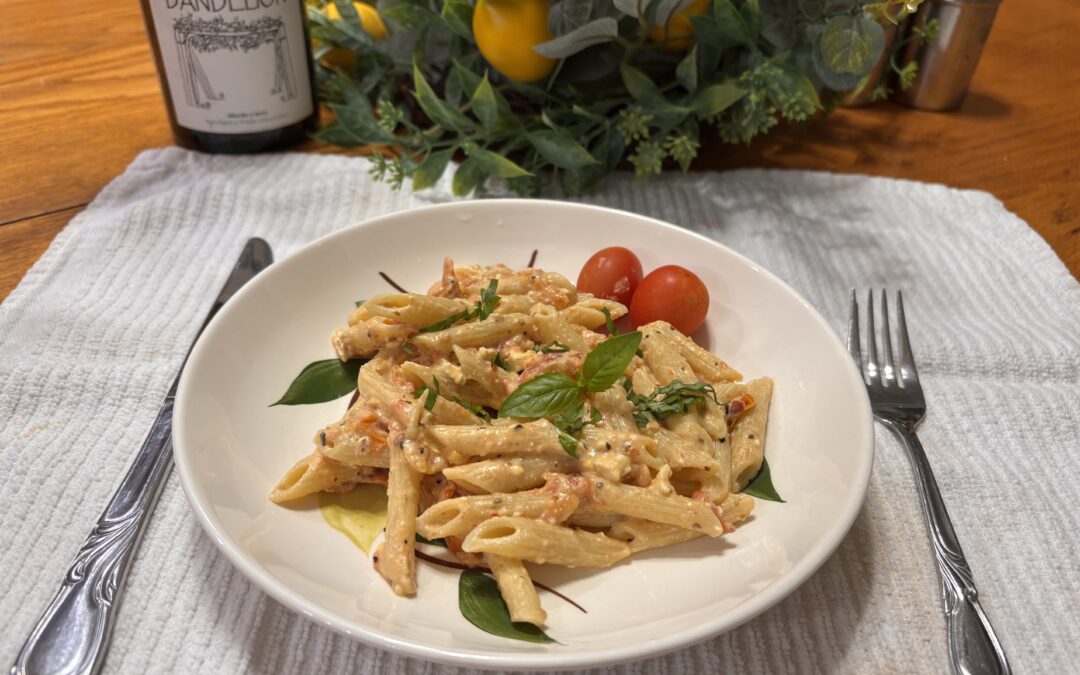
(434, 107)
(482, 605)
(607, 362)
(761, 486)
(322, 381)
(593, 33)
(548, 394)
(717, 98)
(567, 16)
(494, 164)
(780, 22)
(560, 149)
(468, 177)
(458, 15)
(431, 169)
(847, 49)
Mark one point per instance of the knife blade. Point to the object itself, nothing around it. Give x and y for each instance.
(73, 633)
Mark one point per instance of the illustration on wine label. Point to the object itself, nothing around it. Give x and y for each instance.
(233, 66)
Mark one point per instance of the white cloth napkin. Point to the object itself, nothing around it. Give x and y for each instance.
(94, 334)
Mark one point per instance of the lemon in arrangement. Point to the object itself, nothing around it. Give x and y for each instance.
(679, 32)
(506, 32)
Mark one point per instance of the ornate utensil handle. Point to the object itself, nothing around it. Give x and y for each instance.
(73, 633)
(973, 645)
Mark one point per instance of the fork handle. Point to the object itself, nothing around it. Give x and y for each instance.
(973, 645)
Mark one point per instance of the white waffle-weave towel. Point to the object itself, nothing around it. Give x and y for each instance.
(95, 332)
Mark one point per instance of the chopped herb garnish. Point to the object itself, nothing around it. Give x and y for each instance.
(673, 399)
(609, 322)
(555, 347)
(473, 408)
(500, 362)
(570, 424)
(360, 302)
(482, 310)
(432, 393)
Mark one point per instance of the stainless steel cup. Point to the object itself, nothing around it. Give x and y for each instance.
(947, 64)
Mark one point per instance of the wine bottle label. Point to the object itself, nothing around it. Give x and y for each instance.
(234, 66)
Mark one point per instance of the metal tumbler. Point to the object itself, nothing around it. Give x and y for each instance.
(947, 63)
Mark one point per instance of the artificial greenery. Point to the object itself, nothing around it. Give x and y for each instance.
(426, 94)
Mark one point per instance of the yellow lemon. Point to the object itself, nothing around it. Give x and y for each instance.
(506, 32)
(679, 32)
(370, 21)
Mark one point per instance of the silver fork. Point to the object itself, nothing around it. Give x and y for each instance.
(896, 398)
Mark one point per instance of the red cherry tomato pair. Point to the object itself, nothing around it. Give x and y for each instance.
(669, 293)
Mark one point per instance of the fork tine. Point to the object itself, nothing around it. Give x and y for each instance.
(871, 341)
(853, 332)
(888, 369)
(907, 359)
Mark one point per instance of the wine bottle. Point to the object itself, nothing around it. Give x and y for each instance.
(236, 74)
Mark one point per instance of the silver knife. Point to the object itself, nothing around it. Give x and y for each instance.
(72, 635)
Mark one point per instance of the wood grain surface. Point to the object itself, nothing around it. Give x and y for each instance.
(79, 98)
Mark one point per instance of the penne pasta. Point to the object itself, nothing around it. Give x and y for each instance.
(540, 542)
(645, 459)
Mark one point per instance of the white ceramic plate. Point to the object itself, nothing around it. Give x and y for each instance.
(230, 447)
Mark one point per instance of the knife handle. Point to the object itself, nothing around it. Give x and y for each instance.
(73, 633)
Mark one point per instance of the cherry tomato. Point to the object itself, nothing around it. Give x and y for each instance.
(612, 273)
(673, 294)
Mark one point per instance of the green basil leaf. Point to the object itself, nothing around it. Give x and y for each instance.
(495, 164)
(359, 303)
(606, 363)
(568, 443)
(433, 542)
(612, 329)
(545, 395)
(468, 177)
(482, 605)
(431, 169)
(489, 300)
(434, 107)
(761, 486)
(560, 149)
(473, 408)
(322, 381)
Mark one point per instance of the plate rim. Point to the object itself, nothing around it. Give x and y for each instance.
(796, 576)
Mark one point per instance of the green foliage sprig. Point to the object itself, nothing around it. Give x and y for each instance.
(427, 95)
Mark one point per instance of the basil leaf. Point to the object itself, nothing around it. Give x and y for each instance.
(446, 323)
(673, 399)
(322, 381)
(545, 395)
(568, 443)
(359, 303)
(433, 542)
(482, 605)
(555, 347)
(606, 363)
(761, 486)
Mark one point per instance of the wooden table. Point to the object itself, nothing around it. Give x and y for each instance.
(79, 98)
